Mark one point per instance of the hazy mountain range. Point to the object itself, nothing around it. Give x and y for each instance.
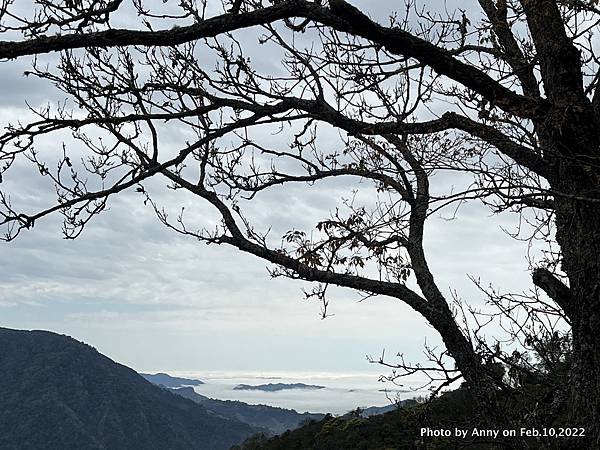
(276, 420)
(271, 419)
(166, 380)
(58, 393)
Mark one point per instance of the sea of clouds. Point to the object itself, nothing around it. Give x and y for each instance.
(342, 393)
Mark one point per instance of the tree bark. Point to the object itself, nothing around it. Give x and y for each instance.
(578, 233)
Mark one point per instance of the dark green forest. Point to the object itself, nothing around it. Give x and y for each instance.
(59, 394)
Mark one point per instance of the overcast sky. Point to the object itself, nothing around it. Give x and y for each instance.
(154, 300)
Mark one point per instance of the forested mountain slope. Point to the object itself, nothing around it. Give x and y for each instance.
(58, 393)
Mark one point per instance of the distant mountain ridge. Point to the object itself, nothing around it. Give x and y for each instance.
(276, 420)
(166, 380)
(60, 394)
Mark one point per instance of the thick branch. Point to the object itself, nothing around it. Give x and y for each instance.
(520, 154)
(178, 35)
(560, 61)
(555, 289)
(596, 102)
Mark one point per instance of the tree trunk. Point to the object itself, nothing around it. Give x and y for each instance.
(578, 234)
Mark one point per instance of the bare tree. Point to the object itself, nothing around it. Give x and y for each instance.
(505, 93)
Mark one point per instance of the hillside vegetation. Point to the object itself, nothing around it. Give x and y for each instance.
(401, 429)
(58, 393)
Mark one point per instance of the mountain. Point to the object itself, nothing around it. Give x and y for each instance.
(58, 393)
(273, 387)
(276, 420)
(398, 429)
(166, 380)
(376, 410)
